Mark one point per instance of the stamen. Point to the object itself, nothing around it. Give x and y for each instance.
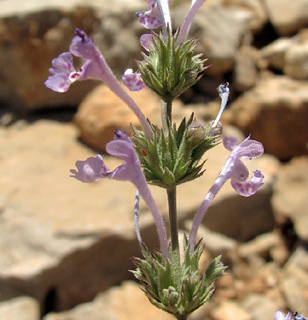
(223, 91)
(117, 133)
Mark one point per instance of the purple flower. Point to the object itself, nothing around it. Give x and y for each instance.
(133, 81)
(146, 40)
(94, 169)
(158, 14)
(90, 170)
(279, 315)
(235, 170)
(150, 19)
(64, 73)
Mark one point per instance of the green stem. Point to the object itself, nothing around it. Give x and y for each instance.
(181, 317)
(171, 192)
(166, 114)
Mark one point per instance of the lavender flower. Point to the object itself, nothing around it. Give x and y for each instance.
(94, 169)
(64, 73)
(154, 18)
(132, 80)
(235, 170)
(150, 19)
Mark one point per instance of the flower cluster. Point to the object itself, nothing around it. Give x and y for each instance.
(166, 156)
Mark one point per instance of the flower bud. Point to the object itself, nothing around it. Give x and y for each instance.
(170, 69)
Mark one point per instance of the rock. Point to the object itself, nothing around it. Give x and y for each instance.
(32, 33)
(275, 112)
(119, 303)
(287, 16)
(219, 32)
(62, 241)
(273, 55)
(296, 61)
(102, 111)
(260, 307)
(290, 195)
(216, 244)
(289, 55)
(21, 308)
(261, 245)
(230, 310)
(255, 9)
(245, 71)
(295, 282)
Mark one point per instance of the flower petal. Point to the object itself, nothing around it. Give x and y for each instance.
(90, 170)
(122, 147)
(64, 63)
(230, 143)
(150, 19)
(248, 188)
(58, 82)
(63, 73)
(146, 41)
(133, 81)
(83, 46)
(239, 171)
(250, 149)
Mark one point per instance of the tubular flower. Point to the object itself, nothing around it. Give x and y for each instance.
(96, 67)
(94, 169)
(235, 170)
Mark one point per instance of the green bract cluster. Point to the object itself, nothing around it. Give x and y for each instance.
(171, 68)
(173, 157)
(178, 291)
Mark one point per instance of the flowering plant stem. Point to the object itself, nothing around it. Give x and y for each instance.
(171, 192)
(166, 114)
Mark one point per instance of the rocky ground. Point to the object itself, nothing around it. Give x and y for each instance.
(65, 246)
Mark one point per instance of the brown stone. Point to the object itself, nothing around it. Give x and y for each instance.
(290, 195)
(102, 111)
(275, 113)
(119, 303)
